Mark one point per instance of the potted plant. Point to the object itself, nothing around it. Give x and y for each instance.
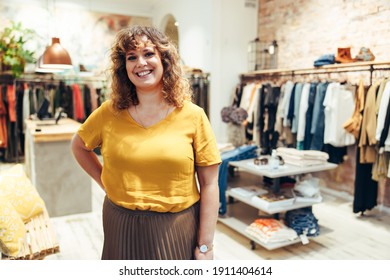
(13, 53)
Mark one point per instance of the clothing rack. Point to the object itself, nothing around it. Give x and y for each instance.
(200, 83)
(326, 69)
(197, 75)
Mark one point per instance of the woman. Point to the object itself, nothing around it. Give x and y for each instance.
(153, 141)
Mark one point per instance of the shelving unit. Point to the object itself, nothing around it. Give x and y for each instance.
(241, 214)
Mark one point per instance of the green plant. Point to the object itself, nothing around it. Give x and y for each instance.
(13, 52)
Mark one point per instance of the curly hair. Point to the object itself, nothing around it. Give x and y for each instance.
(175, 87)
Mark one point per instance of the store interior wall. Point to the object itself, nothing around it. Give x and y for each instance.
(305, 30)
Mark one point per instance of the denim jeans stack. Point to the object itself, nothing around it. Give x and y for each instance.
(303, 221)
(240, 153)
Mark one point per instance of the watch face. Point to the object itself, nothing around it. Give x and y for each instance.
(203, 248)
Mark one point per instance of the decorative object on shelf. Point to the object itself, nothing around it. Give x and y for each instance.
(365, 54)
(344, 55)
(13, 52)
(262, 55)
(235, 117)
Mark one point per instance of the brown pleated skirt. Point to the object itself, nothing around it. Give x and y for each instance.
(148, 235)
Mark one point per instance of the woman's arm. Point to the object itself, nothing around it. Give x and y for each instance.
(209, 205)
(87, 159)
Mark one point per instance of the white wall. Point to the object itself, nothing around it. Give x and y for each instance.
(234, 26)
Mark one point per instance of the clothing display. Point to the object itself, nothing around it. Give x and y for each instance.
(328, 117)
(23, 98)
(302, 115)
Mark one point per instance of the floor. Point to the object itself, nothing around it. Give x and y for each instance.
(348, 236)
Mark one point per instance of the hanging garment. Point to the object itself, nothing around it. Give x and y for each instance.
(78, 103)
(367, 141)
(353, 124)
(297, 101)
(318, 121)
(303, 106)
(3, 122)
(11, 99)
(366, 189)
(339, 105)
(309, 116)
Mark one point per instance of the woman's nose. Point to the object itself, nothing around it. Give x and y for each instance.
(141, 62)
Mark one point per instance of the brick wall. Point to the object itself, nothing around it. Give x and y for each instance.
(306, 29)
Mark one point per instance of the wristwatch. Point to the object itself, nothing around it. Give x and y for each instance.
(204, 248)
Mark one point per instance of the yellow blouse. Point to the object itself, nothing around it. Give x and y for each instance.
(151, 168)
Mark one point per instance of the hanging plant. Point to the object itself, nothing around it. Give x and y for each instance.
(13, 52)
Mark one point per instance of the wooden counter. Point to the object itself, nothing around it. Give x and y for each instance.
(48, 131)
(62, 184)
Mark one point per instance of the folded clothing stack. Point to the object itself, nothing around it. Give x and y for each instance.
(308, 189)
(270, 230)
(303, 221)
(302, 157)
(325, 60)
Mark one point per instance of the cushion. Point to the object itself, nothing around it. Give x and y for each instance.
(17, 188)
(12, 229)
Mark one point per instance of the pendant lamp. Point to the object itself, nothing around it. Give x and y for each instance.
(56, 57)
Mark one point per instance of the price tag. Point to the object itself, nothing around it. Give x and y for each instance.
(304, 239)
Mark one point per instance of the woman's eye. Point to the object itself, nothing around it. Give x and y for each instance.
(149, 54)
(131, 57)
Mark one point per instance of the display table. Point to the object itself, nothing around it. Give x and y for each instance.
(246, 211)
(62, 184)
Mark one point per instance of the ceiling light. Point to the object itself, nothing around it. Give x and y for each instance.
(56, 57)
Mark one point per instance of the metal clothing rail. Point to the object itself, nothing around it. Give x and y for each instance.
(57, 78)
(326, 69)
(197, 75)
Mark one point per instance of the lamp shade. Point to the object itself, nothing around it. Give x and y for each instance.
(39, 69)
(56, 56)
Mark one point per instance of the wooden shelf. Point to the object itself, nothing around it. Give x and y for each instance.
(270, 210)
(283, 170)
(339, 67)
(244, 215)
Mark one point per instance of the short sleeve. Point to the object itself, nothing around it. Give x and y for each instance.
(205, 145)
(91, 130)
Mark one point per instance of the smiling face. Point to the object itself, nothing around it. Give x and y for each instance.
(144, 67)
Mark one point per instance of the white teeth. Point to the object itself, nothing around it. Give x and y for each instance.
(144, 73)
